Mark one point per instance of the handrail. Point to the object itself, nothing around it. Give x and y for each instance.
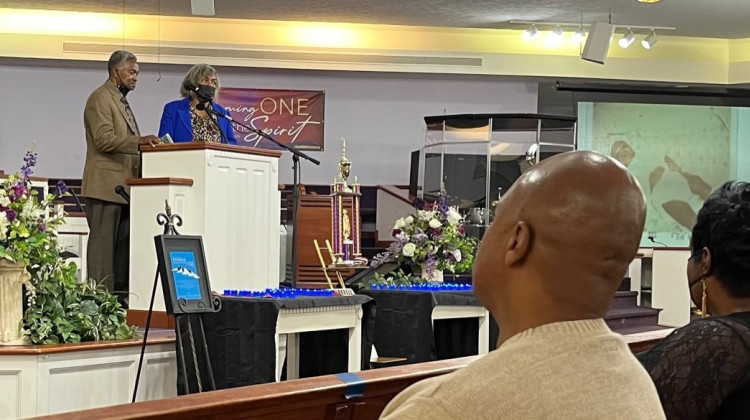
(395, 191)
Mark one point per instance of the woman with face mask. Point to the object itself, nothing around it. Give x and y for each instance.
(702, 370)
(193, 118)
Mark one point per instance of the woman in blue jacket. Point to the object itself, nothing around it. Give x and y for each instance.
(189, 119)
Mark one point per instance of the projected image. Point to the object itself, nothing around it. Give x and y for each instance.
(185, 275)
(679, 154)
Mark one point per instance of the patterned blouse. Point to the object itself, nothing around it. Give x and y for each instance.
(702, 370)
(205, 130)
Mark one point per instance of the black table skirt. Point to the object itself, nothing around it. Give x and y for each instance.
(241, 344)
(403, 325)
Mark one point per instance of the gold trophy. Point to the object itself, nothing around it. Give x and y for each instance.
(346, 219)
(345, 167)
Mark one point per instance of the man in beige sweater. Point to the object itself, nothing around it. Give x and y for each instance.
(547, 270)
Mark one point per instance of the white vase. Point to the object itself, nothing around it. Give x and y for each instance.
(436, 276)
(12, 277)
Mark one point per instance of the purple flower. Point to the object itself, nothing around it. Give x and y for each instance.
(419, 238)
(29, 163)
(17, 191)
(395, 232)
(418, 203)
(442, 206)
(462, 230)
(62, 189)
(42, 225)
(11, 215)
(430, 264)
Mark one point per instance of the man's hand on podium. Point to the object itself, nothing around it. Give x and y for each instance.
(152, 140)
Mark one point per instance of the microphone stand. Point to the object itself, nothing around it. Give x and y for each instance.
(295, 194)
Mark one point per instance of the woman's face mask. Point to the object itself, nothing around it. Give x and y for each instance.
(206, 92)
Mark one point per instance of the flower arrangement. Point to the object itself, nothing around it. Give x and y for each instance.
(27, 230)
(58, 308)
(433, 239)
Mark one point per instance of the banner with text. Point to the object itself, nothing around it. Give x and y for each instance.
(293, 117)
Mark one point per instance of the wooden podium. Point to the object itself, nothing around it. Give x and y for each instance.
(315, 222)
(227, 194)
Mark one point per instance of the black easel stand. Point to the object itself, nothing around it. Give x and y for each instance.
(169, 221)
(295, 194)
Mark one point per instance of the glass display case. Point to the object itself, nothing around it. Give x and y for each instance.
(475, 158)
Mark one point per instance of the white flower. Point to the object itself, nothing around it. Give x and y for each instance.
(435, 223)
(409, 220)
(4, 201)
(30, 212)
(457, 255)
(425, 215)
(453, 216)
(4, 223)
(399, 223)
(408, 250)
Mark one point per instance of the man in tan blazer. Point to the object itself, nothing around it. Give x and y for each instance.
(112, 140)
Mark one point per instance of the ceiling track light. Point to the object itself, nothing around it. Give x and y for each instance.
(579, 35)
(555, 36)
(627, 39)
(530, 33)
(556, 29)
(650, 40)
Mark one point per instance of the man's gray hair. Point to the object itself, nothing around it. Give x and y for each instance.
(118, 59)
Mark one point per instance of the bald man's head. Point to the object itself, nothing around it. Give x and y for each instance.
(563, 236)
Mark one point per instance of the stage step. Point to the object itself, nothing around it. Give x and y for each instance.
(641, 329)
(637, 316)
(624, 300)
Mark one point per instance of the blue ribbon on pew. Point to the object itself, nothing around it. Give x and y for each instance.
(355, 385)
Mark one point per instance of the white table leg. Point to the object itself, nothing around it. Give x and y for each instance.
(292, 356)
(484, 333)
(355, 342)
(281, 346)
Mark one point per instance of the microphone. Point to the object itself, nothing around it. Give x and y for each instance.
(120, 190)
(196, 89)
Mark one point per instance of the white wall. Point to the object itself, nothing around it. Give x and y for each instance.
(379, 114)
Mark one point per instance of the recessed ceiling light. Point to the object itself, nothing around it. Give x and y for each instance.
(648, 1)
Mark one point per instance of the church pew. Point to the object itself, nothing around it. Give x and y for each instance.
(322, 397)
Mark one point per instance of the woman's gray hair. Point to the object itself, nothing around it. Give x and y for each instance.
(118, 59)
(196, 75)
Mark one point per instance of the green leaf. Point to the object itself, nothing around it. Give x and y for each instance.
(89, 308)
